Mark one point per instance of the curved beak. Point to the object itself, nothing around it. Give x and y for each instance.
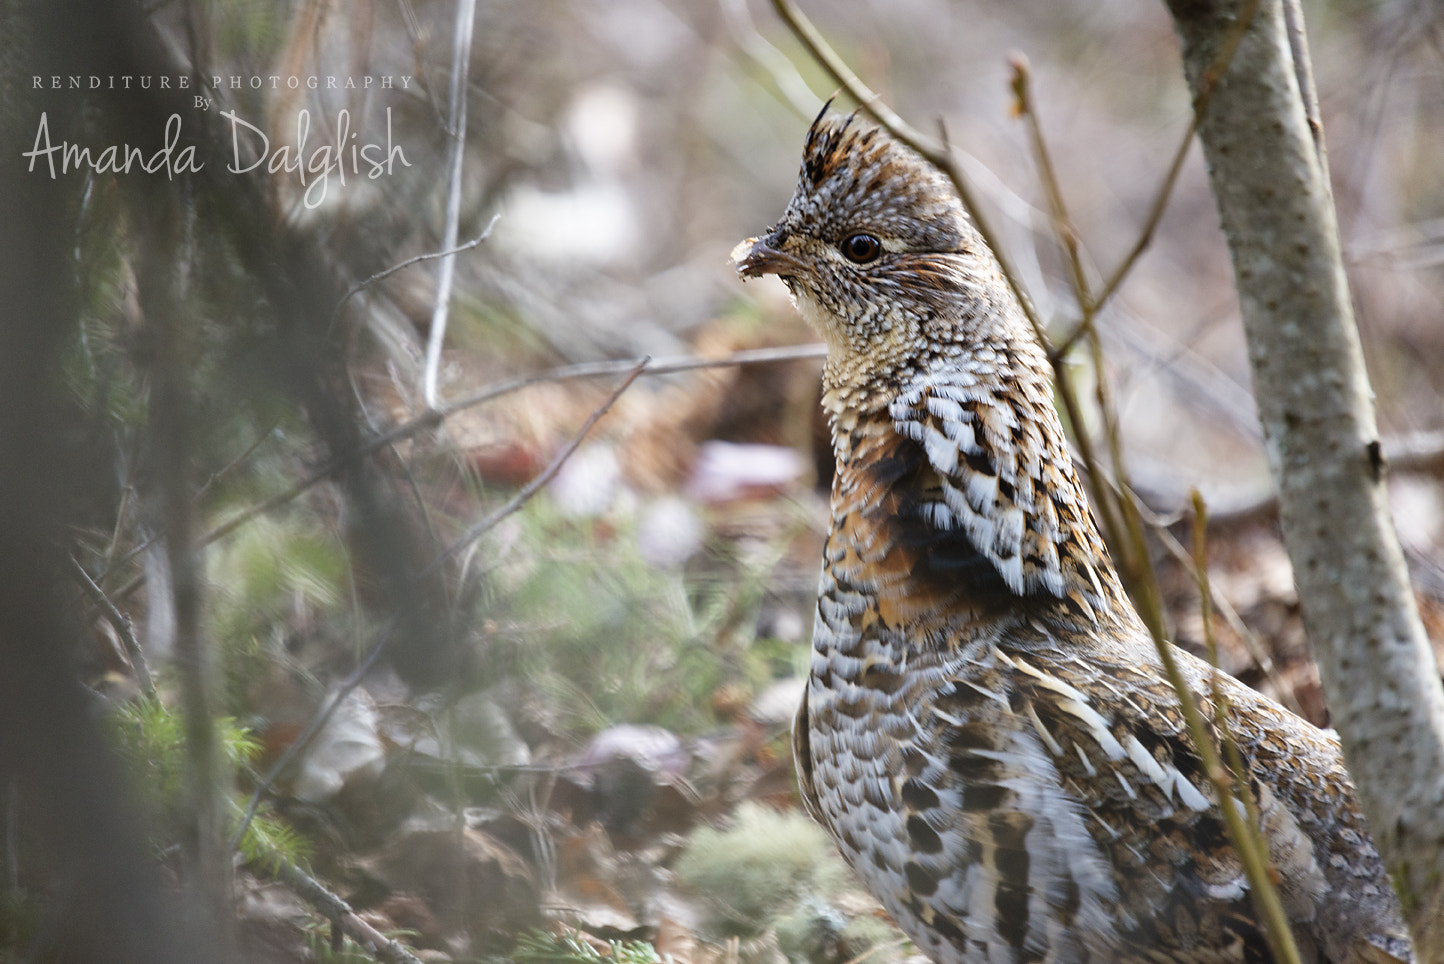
(755, 258)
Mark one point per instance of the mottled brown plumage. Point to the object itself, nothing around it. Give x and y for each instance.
(986, 731)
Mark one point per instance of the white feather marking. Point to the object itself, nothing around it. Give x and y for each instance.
(1097, 728)
(953, 496)
(1052, 570)
(946, 717)
(942, 452)
(1148, 766)
(1104, 824)
(1045, 680)
(957, 393)
(1010, 533)
(945, 408)
(1011, 569)
(1233, 890)
(1087, 763)
(1127, 787)
(962, 433)
(1189, 795)
(983, 690)
(939, 516)
(982, 491)
(1047, 737)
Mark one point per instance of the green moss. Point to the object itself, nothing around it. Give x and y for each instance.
(760, 868)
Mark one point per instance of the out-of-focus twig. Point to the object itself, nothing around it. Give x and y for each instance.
(387, 272)
(314, 726)
(542, 478)
(1216, 70)
(757, 49)
(460, 71)
(658, 366)
(323, 715)
(122, 626)
(238, 461)
(431, 419)
(313, 892)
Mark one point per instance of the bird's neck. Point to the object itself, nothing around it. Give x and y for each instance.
(999, 527)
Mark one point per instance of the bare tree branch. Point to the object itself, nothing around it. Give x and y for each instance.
(313, 892)
(122, 626)
(460, 71)
(428, 256)
(542, 478)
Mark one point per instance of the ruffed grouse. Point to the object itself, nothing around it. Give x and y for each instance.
(986, 731)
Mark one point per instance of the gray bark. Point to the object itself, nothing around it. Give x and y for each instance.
(1315, 405)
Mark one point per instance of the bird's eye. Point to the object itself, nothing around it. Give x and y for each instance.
(861, 248)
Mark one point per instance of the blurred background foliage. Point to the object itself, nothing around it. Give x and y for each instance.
(581, 725)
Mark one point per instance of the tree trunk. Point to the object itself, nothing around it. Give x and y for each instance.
(1315, 405)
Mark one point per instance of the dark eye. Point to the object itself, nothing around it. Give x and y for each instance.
(861, 248)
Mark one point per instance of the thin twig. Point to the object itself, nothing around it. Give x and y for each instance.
(341, 915)
(1161, 198)
(113, 564)
(659, 366)
(1244, 828)
(1142, 579)
(1063, 225)
(122, 625)
(127, 493)
(1122, 526)
(1251, 642)
(428, 256)
(1304, 72)
(1243, 835)
(756, 48)
(1212, 75)
(231, 466)
(531, 488)
(460, 71)
(317, 722)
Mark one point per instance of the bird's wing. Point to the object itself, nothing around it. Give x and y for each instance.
(1089, 814)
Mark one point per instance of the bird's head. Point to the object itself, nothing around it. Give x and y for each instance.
(880, 256)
